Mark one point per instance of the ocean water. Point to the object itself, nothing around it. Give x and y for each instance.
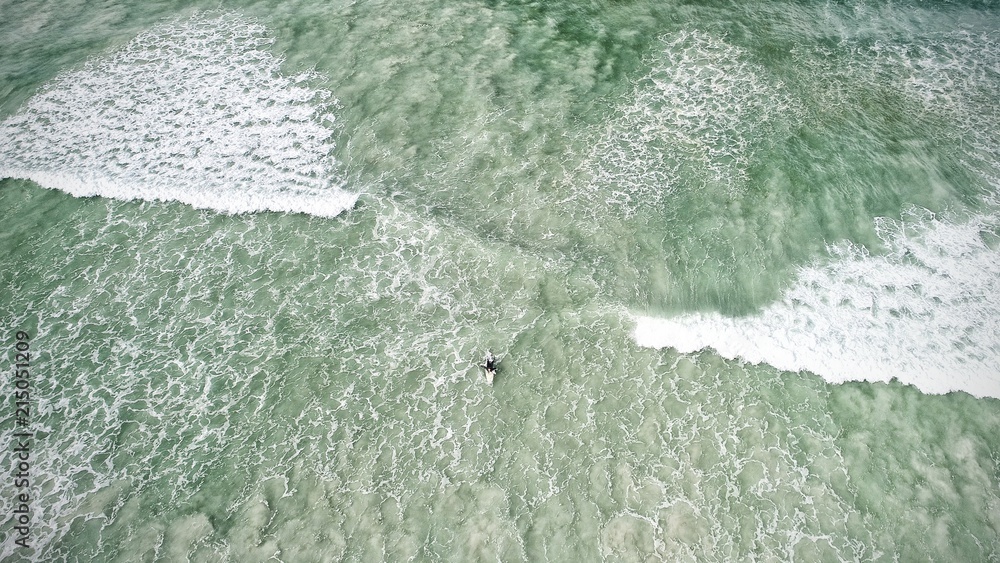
(741, 263)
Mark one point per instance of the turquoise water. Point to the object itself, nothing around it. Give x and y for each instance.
(741, 263)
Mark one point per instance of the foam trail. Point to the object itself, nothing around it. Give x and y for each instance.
(927, 313)
(195, 111)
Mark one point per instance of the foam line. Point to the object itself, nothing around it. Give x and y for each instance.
(927, 313)
(195, 111)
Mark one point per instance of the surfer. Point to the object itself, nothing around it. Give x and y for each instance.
(490, 365)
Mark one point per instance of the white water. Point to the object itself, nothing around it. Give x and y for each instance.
(196, 111)
(926, 312)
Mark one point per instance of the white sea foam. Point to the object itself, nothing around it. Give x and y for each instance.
(926, 312)
(195, 111)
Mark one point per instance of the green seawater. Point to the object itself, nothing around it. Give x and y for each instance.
(215, 379)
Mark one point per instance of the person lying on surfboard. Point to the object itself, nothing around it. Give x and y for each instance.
(490, 366)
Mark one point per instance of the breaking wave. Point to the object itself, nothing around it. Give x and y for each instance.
(196, 111)
(925, 312)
